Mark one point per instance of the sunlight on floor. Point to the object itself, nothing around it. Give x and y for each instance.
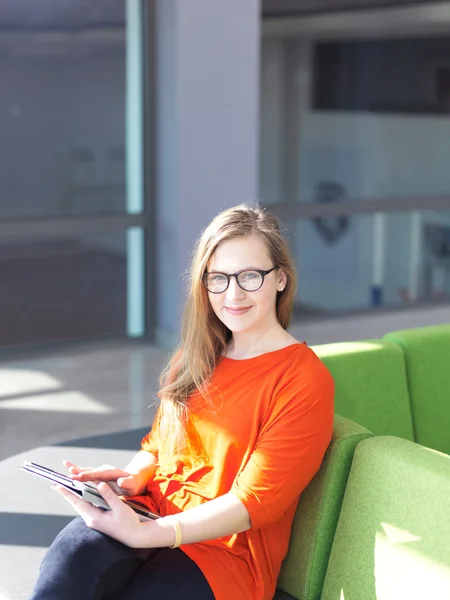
(22, 389)
(17, 574)
(67, 401)
(14, 382)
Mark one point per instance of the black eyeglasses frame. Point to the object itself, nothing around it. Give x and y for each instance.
(236, 275)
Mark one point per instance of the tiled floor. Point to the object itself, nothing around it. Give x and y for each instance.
(95, 389)
(79, 392)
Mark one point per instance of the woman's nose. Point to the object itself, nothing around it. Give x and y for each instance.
(234, 291)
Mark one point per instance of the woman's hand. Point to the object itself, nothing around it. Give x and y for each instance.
(120, 523)
(130, 484)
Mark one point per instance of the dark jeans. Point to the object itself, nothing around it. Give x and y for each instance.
(83, 564)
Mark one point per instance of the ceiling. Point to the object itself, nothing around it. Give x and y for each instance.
(76, 14)
(432, 19)
(292, 7)
(52, 27)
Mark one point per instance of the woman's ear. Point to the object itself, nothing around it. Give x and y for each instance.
(282, 280)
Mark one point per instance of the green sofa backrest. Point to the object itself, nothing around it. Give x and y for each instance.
(303, 570)
(427, 353)
(370, 385)
(392, 538)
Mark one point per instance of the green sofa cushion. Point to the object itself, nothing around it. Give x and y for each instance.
(392, 539)
(304, 567)
(427, 352)
(371, 386)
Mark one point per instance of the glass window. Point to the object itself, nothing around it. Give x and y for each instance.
(63, 106)
(362, 261)
(355, 117)
(71, 123)
(360, 101)
(69, 288)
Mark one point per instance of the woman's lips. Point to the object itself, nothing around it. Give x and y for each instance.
(237, 311)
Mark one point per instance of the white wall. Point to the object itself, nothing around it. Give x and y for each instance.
(371, 155)
(379, 155)
(207, 130)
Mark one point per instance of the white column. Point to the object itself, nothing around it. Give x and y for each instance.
(415, 241)
(207, 130)
(134, 167)
(135, 282)
(378, 265)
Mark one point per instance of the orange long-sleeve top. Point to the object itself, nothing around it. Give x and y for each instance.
(262, 436)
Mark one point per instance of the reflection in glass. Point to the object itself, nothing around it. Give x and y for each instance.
(364, 107)
(391, 260)
(63, 289)
(355, 109)
(63, 98)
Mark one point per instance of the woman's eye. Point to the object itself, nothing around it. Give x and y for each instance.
(218, 278)
(249, 275)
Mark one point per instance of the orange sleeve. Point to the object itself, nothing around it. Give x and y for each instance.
(290, 446)
(150, 441)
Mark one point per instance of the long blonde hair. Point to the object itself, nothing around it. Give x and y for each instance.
(203, 336)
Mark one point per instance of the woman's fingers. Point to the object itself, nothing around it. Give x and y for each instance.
(121, 522)
(103, 473)
(126, 482)
(73, 468)
(107, 473)
(128, 485)
(111, 498)
(85, 509)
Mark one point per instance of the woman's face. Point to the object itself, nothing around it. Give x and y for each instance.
(241, 310)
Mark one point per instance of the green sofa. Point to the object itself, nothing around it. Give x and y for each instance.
(398, 385)
(427, 361)
(375, 509)
(393, 536)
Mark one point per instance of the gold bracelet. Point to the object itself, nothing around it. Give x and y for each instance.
(178, 534)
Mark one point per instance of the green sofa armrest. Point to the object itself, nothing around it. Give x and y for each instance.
(303, 570)
(392, 539)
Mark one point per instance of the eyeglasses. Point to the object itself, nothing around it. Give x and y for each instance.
(250, 281)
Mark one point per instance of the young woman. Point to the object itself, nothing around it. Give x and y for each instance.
(245, 417)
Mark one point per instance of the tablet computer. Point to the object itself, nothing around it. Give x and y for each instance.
(86, 490)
